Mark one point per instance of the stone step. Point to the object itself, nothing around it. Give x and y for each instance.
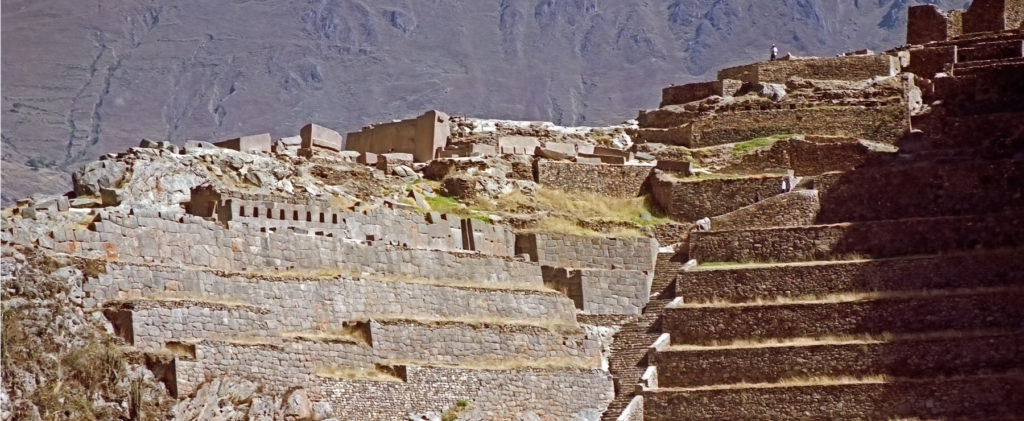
(945, 187)
(994, 50)
(871, 239)
(979, 397)
(992, 135)
(740, 283)
(946, 354)
(852, 314)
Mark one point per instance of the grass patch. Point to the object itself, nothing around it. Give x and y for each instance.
(453, 413)
(717, 264)
(450, 205)
(358, 373)
(757, 143)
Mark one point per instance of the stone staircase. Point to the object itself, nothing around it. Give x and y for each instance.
(630, 344)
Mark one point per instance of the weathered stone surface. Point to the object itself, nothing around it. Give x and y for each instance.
(314, 135)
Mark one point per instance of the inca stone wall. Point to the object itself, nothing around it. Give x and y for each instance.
(299, 303)
(788, 209)
(874, 239)
(557, 393)
(856, 67)
(277, 366)
(693, 199)
(939, 187)
(433, 231)
(148, 325)
(882, 124)
(606, 179)
(947, 271)
(174, 238)
(871, 400)
(453, 342)
(573, 251)
(900, 358)
(601, 291)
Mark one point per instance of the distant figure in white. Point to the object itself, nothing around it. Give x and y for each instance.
(775, 52)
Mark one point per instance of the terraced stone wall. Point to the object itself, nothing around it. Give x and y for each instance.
(855, 67)
(174, 238)
(975, 270)
(601, 291)
(928, 189)
(480, 343)
(567, 393)
(148, 325)
(390, 226)
(926, 62)
(298, 303)
(278, 367)
(872, 239)
(607, 179)
(788, 209)
(693, 199)
(576, 251)
(885, 124)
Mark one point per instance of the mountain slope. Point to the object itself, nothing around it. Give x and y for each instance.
(86, 77)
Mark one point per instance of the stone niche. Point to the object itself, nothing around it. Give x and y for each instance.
(423, 137)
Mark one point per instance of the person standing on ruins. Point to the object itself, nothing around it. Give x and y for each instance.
(775, 52)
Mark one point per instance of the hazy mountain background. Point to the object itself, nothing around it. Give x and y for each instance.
(86, 77)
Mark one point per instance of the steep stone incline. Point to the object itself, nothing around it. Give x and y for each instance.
(631, 343)
(85, 78)
(900, 297)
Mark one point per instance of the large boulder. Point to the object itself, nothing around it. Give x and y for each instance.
(98, 175)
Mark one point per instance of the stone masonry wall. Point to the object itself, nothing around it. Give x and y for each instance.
(885, 124)
(390, 226)
(278, 367)
(601, 291)
(925, 23)
(787, 209)
(690, 200)
(461, 343)
(308, 304)
(557, 393)
(173, 238)
(875, 239)
(855, 67)
(606, 179)
(744, 284)
(154, 323)
(573, 251)
(927, 189)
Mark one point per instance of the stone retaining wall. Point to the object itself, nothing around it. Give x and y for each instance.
(886, 124)
(574, 251)
(738, 284)
(693, 199)
(433, 231)
(277, 367)
(855, 67)
(705, 324)
(787, 209)
(565, 393)
(940, 398)
(172, 238)
(925, 190)
(148, 325)
(601, 291)
(606, 179)
(453, 343)
(318, 303)
(924, 358)
(870, 239)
